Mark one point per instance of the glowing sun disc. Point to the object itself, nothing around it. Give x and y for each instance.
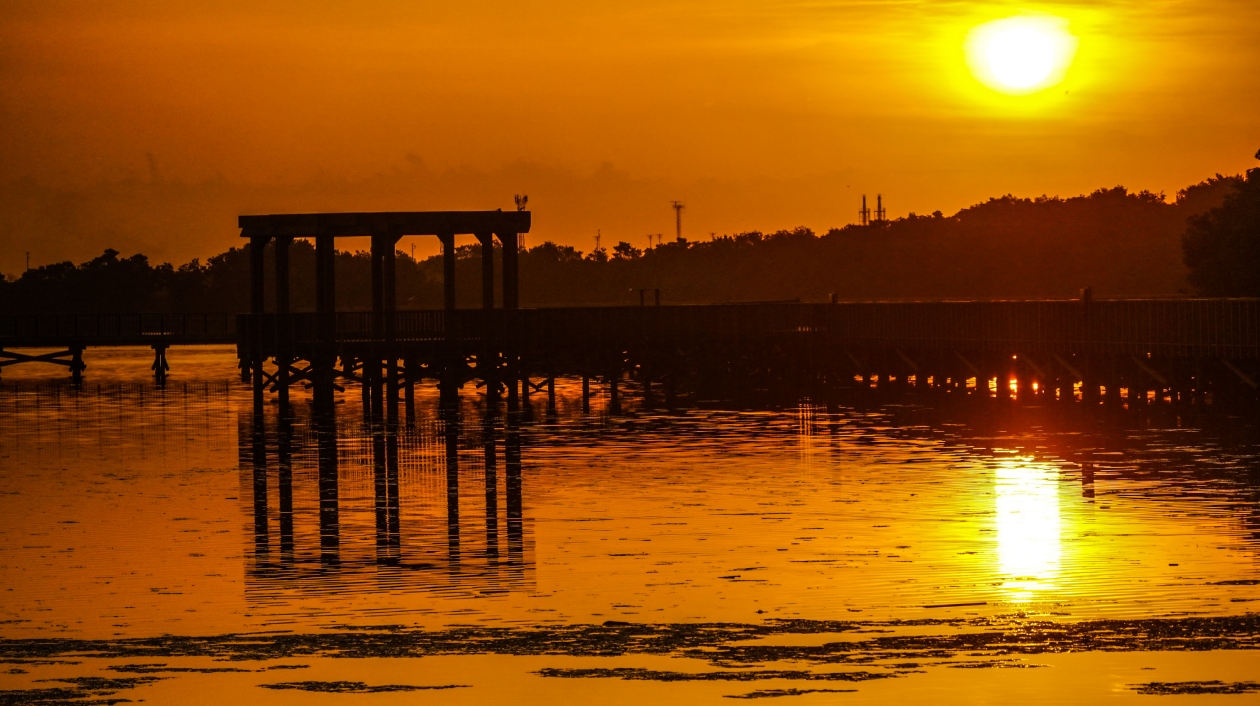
(1020, 54)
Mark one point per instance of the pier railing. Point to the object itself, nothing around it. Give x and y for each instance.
(116, 329)
(1228, 328)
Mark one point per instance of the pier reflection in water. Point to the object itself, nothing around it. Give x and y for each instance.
(316, 479)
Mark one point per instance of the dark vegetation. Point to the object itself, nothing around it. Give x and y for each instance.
(1118, 242)
(1222, 246)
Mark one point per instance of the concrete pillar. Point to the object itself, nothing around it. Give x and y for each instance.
(487, 270)
(448, 271)
(326, 320)
(284, 354)
(372, 364)
(390, 297)
(257, 279)
(511, 270)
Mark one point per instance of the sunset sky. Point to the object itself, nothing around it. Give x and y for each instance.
(148, 126)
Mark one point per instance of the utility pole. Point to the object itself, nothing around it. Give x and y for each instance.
(678, 207)
(597, 235)
(28, 260)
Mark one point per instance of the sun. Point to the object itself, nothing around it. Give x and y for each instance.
(1020, 55)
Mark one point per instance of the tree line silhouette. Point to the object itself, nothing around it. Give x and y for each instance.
(1120, 243)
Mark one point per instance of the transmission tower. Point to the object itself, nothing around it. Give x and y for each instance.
(678, 207)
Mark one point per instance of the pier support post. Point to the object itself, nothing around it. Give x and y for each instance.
(448, 384)
(76, 365)
(614, 399)
(488, 356)
(586, 393)
(511, 270)
(256, 307)
(372, 365)
(284, 338)
(487, 270)
(390, 295)
(326, 320)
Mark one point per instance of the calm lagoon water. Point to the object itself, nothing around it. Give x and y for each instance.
(173, 546)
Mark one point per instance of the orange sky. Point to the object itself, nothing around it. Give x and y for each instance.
(759, 115)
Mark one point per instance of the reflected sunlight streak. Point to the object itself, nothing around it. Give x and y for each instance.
(1029, 525)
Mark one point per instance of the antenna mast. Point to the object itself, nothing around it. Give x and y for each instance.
(678, 207)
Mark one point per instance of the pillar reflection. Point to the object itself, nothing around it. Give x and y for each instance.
(492, 486)
(451, 445)
(258, 449)
(284, 473)
(318, 466)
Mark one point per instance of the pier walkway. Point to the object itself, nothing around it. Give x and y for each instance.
(711, 352)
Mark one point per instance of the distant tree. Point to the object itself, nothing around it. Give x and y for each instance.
(626, 251)
(1222, 247)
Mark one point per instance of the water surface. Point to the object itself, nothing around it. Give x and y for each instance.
(536, 554)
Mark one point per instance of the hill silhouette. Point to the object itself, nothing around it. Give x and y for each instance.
(1123, 244)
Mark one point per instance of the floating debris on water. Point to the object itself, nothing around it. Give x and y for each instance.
(355, 687)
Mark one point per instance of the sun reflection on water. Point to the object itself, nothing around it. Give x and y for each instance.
(1029, 526)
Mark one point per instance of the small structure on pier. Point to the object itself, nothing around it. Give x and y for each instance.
(385, 229)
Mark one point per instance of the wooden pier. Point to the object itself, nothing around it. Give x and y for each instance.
(719, 352)
(1184, 349)
(1178, 347)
